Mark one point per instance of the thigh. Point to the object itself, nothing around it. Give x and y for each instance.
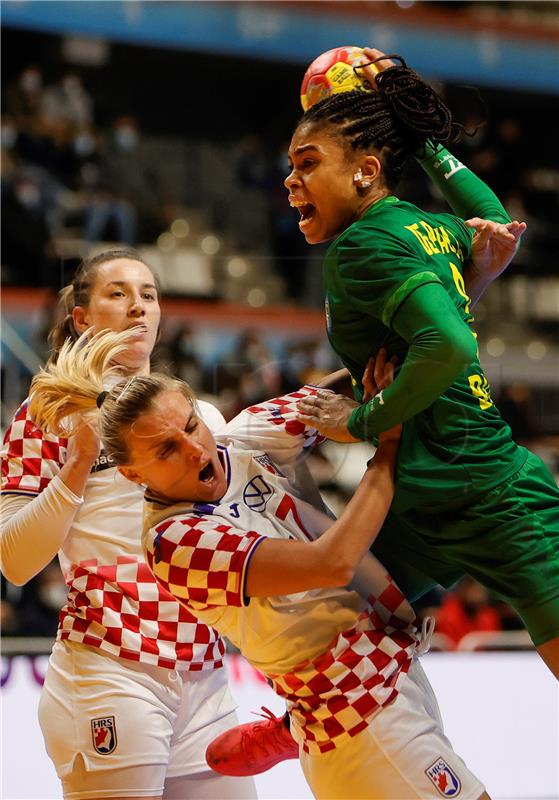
(107, 713)
(126, 782)
(207, 710)
(416, 564)
(509, 541)
(209, 786)
(403, 754)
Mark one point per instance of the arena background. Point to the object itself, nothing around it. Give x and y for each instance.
(165, 125)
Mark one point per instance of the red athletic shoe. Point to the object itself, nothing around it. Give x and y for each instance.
(253, 747)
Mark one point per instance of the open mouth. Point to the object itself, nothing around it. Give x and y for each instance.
(207, 473)
(306, 210)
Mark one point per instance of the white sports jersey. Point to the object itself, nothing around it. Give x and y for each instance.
(336, 656)
(114, 602)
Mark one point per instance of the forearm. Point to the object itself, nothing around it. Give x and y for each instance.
(441, 346)
(285, 567)
(476, 281)
(33, 530)
(467, 195)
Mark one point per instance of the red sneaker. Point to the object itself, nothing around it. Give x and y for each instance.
(253, 747)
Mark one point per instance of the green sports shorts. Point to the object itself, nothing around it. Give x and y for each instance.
(507, 539)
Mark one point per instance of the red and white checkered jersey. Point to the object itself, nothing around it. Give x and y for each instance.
(336, 656)
(114, 602)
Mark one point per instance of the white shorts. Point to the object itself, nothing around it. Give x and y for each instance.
(403, 754)
(117, 714)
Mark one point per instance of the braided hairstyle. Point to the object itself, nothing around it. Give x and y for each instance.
(78, 292)
(397, 119)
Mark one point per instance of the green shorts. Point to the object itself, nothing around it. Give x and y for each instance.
(507, 539)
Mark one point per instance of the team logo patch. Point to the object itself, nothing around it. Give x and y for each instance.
(257, 493)
(265, 462)
(103, 732)
(444, 778)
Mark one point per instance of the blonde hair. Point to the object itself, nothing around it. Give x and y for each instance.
(66, 392)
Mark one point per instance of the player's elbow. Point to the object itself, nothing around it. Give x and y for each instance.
(463, 351)
(13, 576)
(340, 572)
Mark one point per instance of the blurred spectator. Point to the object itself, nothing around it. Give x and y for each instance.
(247, 374)
(27, 248)
(186, 363)
(42, 598)
(126, 196)
(466, 609)
(67, 101)
(22, 97)
(290, 251)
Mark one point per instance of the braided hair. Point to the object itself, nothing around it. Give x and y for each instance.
(397, 119)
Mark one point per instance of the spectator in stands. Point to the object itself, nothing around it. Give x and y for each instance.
(466, 609)
(41, 600)
(186, 362)
(22, 98)
(291, 257)
(127, 194)
(67, 101)
(27, 248)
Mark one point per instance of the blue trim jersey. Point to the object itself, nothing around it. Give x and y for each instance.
(337, 655)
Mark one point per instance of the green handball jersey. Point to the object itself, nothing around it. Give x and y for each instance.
(459, 445)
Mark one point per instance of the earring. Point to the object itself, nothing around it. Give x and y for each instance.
(365, 184)
(358, 175)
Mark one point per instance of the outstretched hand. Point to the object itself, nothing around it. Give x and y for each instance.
(370, 72)
(494, 245)
(329, 413)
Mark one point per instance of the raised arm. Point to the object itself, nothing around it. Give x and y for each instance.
(34, 520)
(284, 567)
(472, 200)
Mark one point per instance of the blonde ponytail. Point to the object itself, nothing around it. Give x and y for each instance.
(72, 384)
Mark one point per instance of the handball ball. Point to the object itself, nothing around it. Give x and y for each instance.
(333, 72)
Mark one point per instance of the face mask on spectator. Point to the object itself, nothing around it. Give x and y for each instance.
(28, 194)
(84, 144)
(31, 80)
(126, 138)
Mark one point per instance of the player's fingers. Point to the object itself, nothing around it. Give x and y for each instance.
(380, 362)
(368, 382)
(388, 375)
(516, 228)
(310, 422)
(370, 71)
(473, 222)
(307, 407)
(374, 54)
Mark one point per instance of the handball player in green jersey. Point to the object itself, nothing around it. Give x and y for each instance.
(400, 282)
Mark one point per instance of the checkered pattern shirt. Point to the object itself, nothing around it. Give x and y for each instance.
(336, 656)
(114, 602)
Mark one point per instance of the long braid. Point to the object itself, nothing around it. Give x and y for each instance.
(397, 119)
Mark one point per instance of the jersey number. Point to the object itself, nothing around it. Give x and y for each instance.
(287, 506)
(478, 383)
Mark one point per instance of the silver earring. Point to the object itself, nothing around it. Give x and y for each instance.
(365, 184)
(358, 175)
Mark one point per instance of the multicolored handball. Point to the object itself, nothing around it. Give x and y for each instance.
(333, 72)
